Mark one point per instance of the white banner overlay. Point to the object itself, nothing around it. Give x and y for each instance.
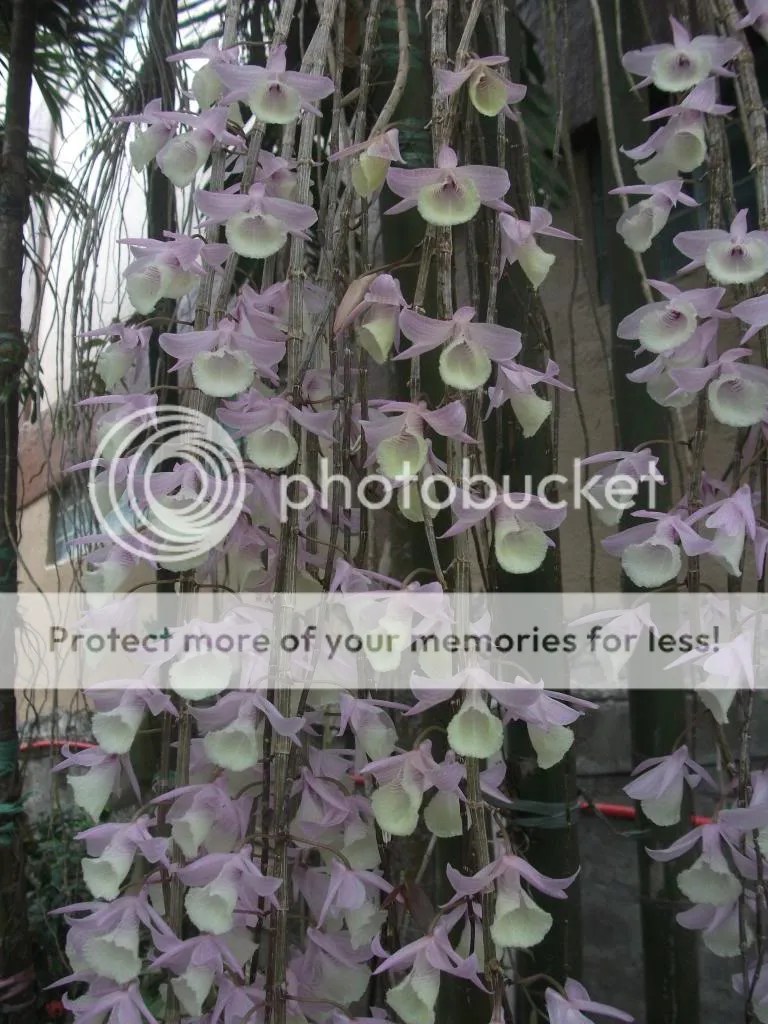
(202, 644)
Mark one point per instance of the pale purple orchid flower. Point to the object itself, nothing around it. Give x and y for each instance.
(167, 269)
(345, 888)
(733, 520)
(184, 155)
(650, 553)
(278, 176)
(662, 327)
(519, 245)
(736, 256)
(330, 968)
(373, 729)
(111, 850)
(720, 926)
(680, 145)
(403, 779)
(256, 224)
(571, 1007)
(397, 442)
(234, 1002)
(620, 470)
(369, 171)
(519, 922)
(128, 352)
(737, 391)
(660, 375)
(120, 712)
(161, 125)
(469, 349)
(220, 884)
(207, 86)
(448, 194)
(516, 384)
(756, 17)
(709, 879)
(197, 964)
(92, 789)
(122, 1005)
(234, 729)
(521, 523)
(275, 95)
(225, 358)
(414, 997)
(205, 815)
(754, 313)
(375, 313)
(683, 63)
(659, 784)
(265, 422)
(489, 92)
(640, 224)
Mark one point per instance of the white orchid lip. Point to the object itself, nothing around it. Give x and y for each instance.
(702, 883)
(272, 447)
(519, 922)
(687, 149)
(664, 810)
(449, 202)
(114, 955)
(639, 225)
(222, 374)
(414, 998)
(235, 747)
(369, 174)
(182, 157)
(207, 87)
(442, 815)
(737, 402)
(92, 790)
(474, 731)
(396, 808)
(737, 262)
(519, 546)
(104, 875)
(487, 92)
(531, 412)
(536, 263)
(146, 287)
(377, 336)
(676, 70)
(211, 907)
(274, 102)
(652, 563)
(198, 676)
(257, 235)
(116, 730)
(403, 455)
(464, 366)
(662, 330)
(551, 745)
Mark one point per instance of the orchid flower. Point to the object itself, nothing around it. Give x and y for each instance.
(278, 176)
(720, 927)
(733, 520)
(373, 729)
(754, 313)
(333, 969)
(116, 359)
(111, 849)
(650, 553)
(683, 63)
(265, 424)
(93, 788)
(567, 1009)
(448, 194)
(756, 17)
(489, 92)
(519, 922)
(197, 963)
(167, 269)
(709, 879)
(398, 442)
(119, 713)
(468, 348)
(224, 359)
(403, 779)
(680, 144)
(521, 524)
(183, 155)
(123, 1005)
(148, 143)
(345, 889)
(662, 327)
(737, 392)
(659, 784)
(369, 171)
(205, 815)
(661, 377)
(515, 384)
(255, 224)
(275, 96)
(737, 256)
(220, 883)
(621, 468)
(640, 224)
(234, 727)
(518, 244)
(373, 303)
(414, 998)
(207, 86)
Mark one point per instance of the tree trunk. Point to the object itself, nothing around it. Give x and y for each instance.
(16, 972)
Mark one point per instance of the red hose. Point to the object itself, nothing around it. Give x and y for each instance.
(621, 811)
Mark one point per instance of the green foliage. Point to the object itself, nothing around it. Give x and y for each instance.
(54, 879)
